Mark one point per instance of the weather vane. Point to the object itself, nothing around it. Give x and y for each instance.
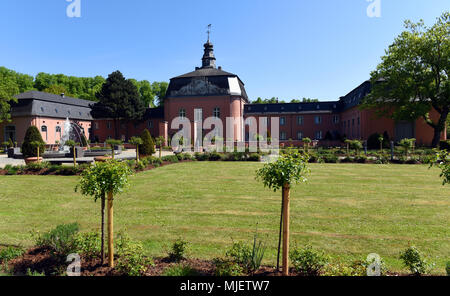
(209, 31)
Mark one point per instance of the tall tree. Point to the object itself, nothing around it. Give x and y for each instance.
(412, 78)
(8, 88)
(118, 99)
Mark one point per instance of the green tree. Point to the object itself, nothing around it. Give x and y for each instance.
(289, 169)
(443, 162)
(8, 88)
(105, 179)
(57, 89)
(160, 142)
(147, 147)
(112, 144)
(412, 78)
(306, 142)
(32, 135)
(407, 145)
(136, 141)
(118, 99)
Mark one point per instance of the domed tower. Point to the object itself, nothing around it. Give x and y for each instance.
(206, 92)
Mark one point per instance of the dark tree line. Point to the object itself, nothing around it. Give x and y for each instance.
(13, 83)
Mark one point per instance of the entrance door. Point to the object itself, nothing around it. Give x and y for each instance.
(10, 133)
(404, 130)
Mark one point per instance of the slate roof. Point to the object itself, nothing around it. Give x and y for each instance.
(36, 103)
(152, 113)
(200, 72)
(319, 107)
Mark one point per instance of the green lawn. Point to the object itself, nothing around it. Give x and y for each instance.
(348, 210)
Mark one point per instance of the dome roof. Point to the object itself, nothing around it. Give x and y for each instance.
(207, 80)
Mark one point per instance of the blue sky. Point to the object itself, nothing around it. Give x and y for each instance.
(284, 48)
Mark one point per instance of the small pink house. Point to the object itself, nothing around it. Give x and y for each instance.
(48, 112)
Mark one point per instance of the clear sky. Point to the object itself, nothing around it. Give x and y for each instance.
(279, 48)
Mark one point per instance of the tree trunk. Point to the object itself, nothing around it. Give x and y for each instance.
(103, 230)
(137, 153)
(110, 231)
(279, 234)
(436, 137)
(74, 157)
(439, 127)
(38, 159)
(286, 193)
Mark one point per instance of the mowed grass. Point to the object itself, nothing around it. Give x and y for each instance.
(347, 210)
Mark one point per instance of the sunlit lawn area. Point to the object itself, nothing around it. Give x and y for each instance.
(347, 210)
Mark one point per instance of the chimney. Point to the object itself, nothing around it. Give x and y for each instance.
(220, 67)
(62, 95)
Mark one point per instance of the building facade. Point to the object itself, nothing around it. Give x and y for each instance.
(48, 113)
(207, 92)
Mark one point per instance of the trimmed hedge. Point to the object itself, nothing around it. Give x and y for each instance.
(32, 135)
(148, 144)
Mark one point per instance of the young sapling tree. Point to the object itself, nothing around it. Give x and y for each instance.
(290, 168)
(105, 179)
(136, 141)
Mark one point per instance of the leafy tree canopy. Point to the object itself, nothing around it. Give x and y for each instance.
(118, 99)
(288, 169)
(412, 78)
(104, 177)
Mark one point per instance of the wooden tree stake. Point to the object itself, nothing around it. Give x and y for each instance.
(286, 196)
(110, 231)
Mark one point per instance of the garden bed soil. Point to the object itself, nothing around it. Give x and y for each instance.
(42, 260)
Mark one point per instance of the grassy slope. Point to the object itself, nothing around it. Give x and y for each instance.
(347, 210)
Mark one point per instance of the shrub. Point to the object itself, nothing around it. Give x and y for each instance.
(148, 145)
(214, 156)
(28, 148)
(444, 145)
(308, 261)
(37, 166)
(413, 259)
(373, 142)
(178, 250)
(227, 268)
(254, 157)
(10, 253)
(60, 240)
(447, 268)
(141, 165)
(180, 270)
(131, 260)
(13, 170)
(249, 258)
(330, 158)
(201, 156)
(340, 268)
(361, 159)
(88, 244)
(170, 158)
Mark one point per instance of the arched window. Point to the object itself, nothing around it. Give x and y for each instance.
(182, 113)
(216, 112)
(44, 131)
(58, 132)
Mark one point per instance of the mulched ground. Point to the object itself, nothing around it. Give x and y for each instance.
(43, 261)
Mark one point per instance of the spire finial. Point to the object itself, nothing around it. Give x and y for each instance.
(209, 30)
